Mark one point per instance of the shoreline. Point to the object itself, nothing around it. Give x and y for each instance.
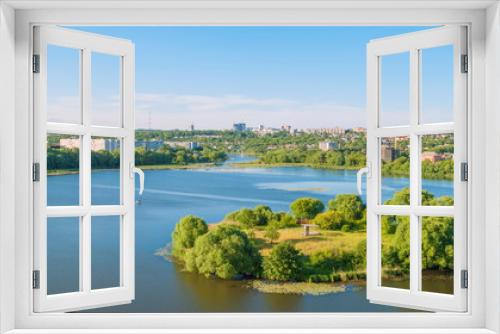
(59, 172)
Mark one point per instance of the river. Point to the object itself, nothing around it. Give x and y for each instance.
(209, 193)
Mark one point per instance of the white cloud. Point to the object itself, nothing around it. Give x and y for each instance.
(170, 111)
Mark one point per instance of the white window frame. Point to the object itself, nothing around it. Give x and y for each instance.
(86, 44)
(413, 44)
(17, 213)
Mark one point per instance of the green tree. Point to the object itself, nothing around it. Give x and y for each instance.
(187, 230)
(349, 206)
(329, 220)
(263, 213)
(306, 208)
(437, 243)
(284, 263)
(247, 218)
(272, 233)
(225, 252)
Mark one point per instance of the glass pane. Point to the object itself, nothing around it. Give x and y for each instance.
(395, 161)
(395, 89)
(437, 254)
(63, 255)
(436, 85)
(105, 171)
(395, 251)
(63, 170)
(105, 252)
(106, 90)
(63, 85)
(437, 169)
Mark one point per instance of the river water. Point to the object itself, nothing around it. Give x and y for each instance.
(209, 193)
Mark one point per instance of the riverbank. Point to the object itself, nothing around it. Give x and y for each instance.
(257, 164)
(200, 165)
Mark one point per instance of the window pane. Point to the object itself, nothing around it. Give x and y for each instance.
(437, 169)
(395, 89)
(63, 170)
(105, 171)
(395, 161)
(437, 254)
(436, 85)
(63, 255)
(105, 252)
(106, 90)
(395, 239)
(63, 85)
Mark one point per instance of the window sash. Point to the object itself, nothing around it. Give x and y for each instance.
(86, 297)
(413, 43)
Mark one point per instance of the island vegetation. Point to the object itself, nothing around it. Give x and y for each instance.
(267, 247)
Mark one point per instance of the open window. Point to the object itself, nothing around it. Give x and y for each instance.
(403, 123)
(82, 121)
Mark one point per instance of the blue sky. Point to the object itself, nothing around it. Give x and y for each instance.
(214, 76)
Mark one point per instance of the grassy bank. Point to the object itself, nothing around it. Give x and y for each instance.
(296, 288)
(257, 164)
(56, 172)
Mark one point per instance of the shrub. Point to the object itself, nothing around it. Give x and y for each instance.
(284, 263)
(247, 218)
(272, 233)
(187, 230)
(250, 218)
(306, 208)
(329, 220)
(225, 252)
(283, 220)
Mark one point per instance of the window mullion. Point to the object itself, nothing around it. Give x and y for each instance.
(85, 241)
(415, 185)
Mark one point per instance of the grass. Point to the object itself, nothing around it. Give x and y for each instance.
(55, 172)
(322, 241)
(296, 288)
(259, 164)
(174, 166)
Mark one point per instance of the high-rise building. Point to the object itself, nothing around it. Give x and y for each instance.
(388, 153)
(239, 127)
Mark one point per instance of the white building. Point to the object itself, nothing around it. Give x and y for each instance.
(327, 146)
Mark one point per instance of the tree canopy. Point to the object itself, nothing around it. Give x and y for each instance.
(284, 263)
(186, 231)
(225, 252)
(306, 207)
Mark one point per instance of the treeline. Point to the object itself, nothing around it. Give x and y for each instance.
(332, 159)
(439, 170)
(69, 159)
(230, 250)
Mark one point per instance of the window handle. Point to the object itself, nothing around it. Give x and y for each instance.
(139, 172)
(365, 170)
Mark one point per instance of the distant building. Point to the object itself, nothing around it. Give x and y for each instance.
(388, 153)
(70, 143)
(150, 145)
(105, 144)
(192, 127)
(97, 144)
(327, 146)
(286, 128)
(239, 127)
(432, 156)
(359, 130)
(338, 131)
(188, 145)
